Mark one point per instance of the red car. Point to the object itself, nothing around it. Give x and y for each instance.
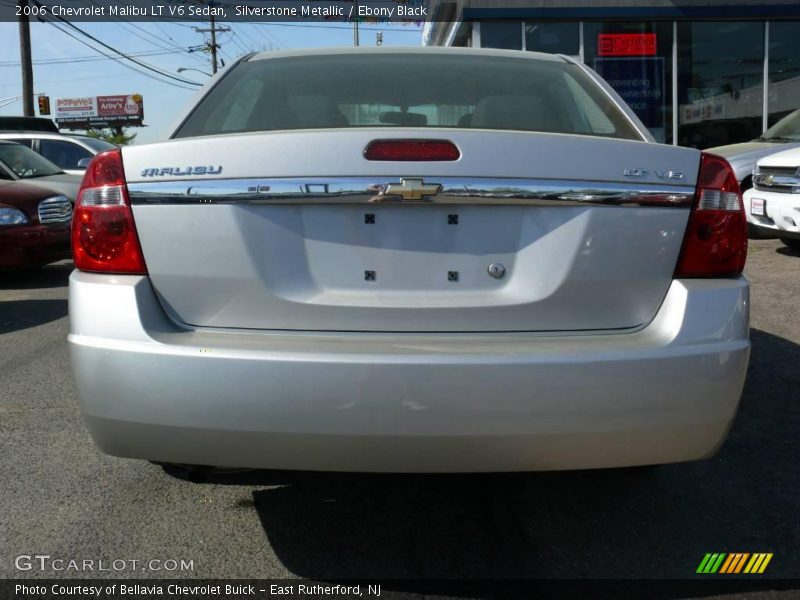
(34, 225)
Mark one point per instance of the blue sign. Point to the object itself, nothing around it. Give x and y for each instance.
(640, 82)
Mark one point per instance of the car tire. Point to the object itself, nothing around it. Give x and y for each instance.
(792, 243)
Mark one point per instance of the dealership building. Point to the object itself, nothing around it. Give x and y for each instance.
(698, 74)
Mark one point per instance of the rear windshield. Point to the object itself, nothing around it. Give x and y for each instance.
(785, 130)
(407, 90)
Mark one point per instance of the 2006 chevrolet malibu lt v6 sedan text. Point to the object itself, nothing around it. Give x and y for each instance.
(409, 260)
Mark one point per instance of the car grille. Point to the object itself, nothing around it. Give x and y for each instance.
(55, 210)
(784, 180)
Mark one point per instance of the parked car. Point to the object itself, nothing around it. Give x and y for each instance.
(785, 134)
(27, 124)
(521, 280)
(34, 226)
(20, 163)
(70, 152)
(773, 204)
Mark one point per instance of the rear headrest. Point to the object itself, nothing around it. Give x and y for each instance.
(510, 111)
(317, 111)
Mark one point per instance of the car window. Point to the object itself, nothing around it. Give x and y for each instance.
(65, 154)
(25, 163)
(24, 141)
(787, 128)
(407, 90)
(98, 145)
(589, 109)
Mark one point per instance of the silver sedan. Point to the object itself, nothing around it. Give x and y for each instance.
(430, 260)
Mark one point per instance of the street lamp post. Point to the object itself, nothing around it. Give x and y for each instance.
(182, 69)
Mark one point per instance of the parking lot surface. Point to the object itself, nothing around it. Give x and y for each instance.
(60, 496)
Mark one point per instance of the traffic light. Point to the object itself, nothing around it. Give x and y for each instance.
(44, 105)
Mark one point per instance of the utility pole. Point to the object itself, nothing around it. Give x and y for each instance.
(213, 46)
(355, 23)
(25, 60)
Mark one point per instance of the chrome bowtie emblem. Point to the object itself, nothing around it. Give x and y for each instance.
(412, 189)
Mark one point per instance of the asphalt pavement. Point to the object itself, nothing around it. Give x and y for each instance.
(60, 496)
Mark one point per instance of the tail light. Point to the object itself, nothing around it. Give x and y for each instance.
(715, 244)
(412, 150)
(104, 235)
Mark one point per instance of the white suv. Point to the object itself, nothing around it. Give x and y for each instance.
(773, 204)
(70, 152)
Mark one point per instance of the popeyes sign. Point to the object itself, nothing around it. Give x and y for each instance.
(100, 111)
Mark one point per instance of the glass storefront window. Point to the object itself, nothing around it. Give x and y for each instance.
(555, 38)
(720, 71)
(784, 71)
(721, 82)
(636, 60)
(501, 34)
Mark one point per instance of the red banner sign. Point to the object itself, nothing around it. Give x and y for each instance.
(119, 106)
(626, 44)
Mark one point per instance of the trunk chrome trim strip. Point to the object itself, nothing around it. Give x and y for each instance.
(372, 190)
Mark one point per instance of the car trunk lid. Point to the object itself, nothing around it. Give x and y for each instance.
(299, 231)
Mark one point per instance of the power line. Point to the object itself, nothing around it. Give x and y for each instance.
(235, 39)
(127, 57)
(117, 60)
(244, 33)
(41, 84)
(114, 50)
(82, 59)
(269, 35)
(159, 42)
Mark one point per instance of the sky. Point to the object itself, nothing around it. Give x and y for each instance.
(167, 45)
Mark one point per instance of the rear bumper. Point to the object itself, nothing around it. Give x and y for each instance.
(783, 214)
(24, 246)
(408, 402)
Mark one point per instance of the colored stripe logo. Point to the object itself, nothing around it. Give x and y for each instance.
(735, 562)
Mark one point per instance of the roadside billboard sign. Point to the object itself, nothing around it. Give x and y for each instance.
(122, 110)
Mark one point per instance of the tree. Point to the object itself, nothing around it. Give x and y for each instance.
(117, 135)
